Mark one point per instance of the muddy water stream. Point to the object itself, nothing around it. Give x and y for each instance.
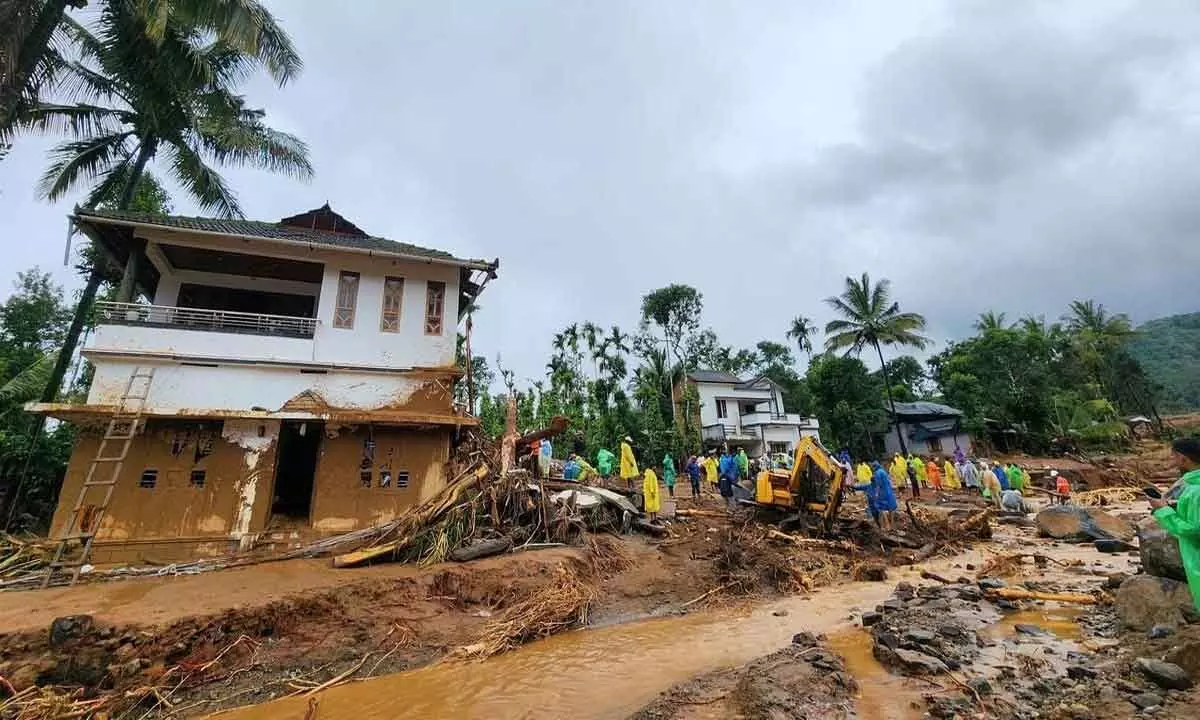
(601, 673)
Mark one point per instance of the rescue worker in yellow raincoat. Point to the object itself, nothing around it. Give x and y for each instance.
(710, 467)
(950, 476)
(629, 468)
(652, 502)
(898, 471)
(863, 473)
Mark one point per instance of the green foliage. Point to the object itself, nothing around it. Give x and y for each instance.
(908, 378)
(32, 323)
(1169, 350)
(123, 97)
(846, 399)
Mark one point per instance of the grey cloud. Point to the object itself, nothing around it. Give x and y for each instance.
(1001, 154)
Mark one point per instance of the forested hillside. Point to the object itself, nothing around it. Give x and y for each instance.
(1169, 351)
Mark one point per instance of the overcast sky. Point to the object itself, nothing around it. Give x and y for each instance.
(998, 155)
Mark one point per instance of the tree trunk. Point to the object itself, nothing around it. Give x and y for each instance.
(887, 385)
(128, 288)
(82, 310)
(30, 53)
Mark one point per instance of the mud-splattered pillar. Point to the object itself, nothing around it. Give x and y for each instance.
(258, 440)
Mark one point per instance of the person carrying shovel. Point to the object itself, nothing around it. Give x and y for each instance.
(1183, 520)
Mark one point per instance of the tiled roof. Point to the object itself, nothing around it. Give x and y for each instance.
(714, 376)
(271, 231)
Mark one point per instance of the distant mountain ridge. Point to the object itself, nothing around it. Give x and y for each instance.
(1169, 351)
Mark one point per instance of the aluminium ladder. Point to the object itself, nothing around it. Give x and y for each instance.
(122, 429)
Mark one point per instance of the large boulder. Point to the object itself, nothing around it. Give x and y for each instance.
(1071, 522)
(1159, 551)
(1144, 601)
(1187, 656)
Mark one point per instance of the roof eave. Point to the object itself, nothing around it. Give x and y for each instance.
(81, 215)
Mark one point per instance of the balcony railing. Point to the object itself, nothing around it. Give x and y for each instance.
(113, 313)
(770, 418)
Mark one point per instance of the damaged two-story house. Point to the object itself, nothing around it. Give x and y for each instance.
(290, 379)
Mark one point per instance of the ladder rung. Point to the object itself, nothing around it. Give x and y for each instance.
(120, 437)
(99, 483)
(107, 459)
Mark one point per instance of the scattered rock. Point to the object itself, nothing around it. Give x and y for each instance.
(67, 627)
(126, 669)
(936, 605)
(981, 686)
(892, 605)
(1007, 605)
(1115, 579)
(804, 639)
(1159, 632)
(1113, 546)
(780, 613)
(990, 583)
(922, 637)
(1159, 551)
(1164, 674)
(1072, 522)
(970, 593)
(1146, 700)
(1079, 672)
(905, 591)
(952, 631)
(970, 566)
(918, 663)
(871, 618)
(1145, 601)
(125, 652)
(1187, 656)
(1026, 629)
(872, 572)
(1125, 686)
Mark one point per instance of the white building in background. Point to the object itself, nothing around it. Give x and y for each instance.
(746, 413)
(293, 376)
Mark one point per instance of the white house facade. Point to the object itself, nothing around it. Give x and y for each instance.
(296, 374)
(747, 414)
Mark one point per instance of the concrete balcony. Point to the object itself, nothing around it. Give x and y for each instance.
(769, 418)
(199, 333)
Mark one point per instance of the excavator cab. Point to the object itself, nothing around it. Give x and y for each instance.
(813, 485)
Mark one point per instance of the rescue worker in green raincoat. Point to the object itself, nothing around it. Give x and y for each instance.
(669, 474)
(604, 462)
(1016, 478)
(743, 464)
(1183, 520)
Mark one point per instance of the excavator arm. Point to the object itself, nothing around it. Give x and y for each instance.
(815, 483)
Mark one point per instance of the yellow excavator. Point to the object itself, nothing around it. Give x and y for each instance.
(813, 486)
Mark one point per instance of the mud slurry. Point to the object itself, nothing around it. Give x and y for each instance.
(948, 651)
(804, 680)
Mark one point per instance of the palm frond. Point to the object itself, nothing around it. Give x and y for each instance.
(80, 121)
(76, 161)
(204, 183)
(29, 383)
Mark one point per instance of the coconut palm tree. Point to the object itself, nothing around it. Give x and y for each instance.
(990, 320)
(802, 332)
(127, 99)
(29, 59)
(871, 318)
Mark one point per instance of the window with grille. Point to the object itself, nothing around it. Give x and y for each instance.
(347, 299)
(393, 293)
(722, 412)
(197, 478)
(149, 479)
(435, 301)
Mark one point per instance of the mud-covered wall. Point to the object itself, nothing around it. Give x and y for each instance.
(237, 459)
(360, 470)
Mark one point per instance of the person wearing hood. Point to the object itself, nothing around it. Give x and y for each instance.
(605, 460)
(1062, 486)
(933, 474)
(743, 464)
(898, 471)
(991, 483)
(712, 470)
(651, 501)
(863, 473)
(693, 472)
(970, 475)
(1001, 475)
(728, 470)
(881, 496)
(1183, 520)
(950, 475)
(1016, 477)
(629, 468)
(668, 466)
